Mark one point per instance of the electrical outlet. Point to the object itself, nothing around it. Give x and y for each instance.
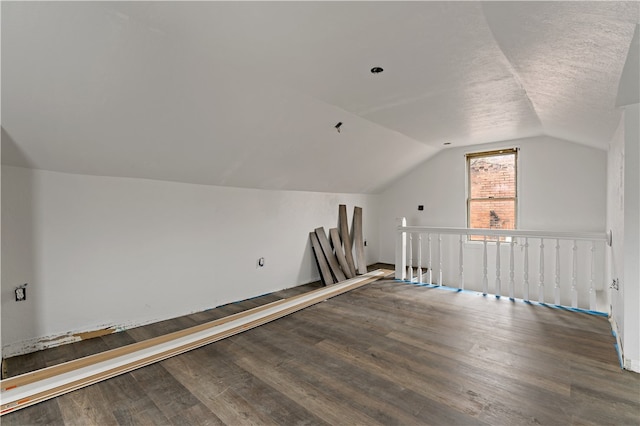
(21, 293)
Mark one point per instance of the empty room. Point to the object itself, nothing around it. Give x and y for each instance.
(395, 213)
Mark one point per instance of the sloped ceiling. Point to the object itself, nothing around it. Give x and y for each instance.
(247, 94)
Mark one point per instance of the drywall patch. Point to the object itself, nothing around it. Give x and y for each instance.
(51, 341)
(36, 344)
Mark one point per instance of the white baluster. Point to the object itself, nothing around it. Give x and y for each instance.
(525, 290)
(592, 279)
(410, 256)
(541, 282)
(498, 280)
(439, 259)
(557, 275)
(420, 258)
(512, 282)
(430, 269)
(485, 280)
(461, 262)
(574, 276)
(401, 250)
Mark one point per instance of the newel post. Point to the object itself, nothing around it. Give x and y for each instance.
(401, 250)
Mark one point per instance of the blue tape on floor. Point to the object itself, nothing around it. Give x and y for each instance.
(615, 335)
(619, 355)
(528, 302)
(582, 311)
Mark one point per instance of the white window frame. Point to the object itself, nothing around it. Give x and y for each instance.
(468, 156)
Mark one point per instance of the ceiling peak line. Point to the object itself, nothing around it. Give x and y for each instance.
(511, 69)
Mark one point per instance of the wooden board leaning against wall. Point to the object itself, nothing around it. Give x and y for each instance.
(335, 257)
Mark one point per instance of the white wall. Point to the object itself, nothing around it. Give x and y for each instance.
(117, 252)
(1, 352)
(631, 276)
(632, 239)
(615, 223)
(562, 187)
(623, 218)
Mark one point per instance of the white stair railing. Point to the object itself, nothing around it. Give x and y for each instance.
(577, 255)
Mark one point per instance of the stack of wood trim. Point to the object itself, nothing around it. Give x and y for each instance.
(40, 385)
(335, 260)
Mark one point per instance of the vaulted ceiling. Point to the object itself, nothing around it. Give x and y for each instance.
(248, 93)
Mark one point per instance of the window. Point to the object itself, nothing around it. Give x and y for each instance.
(493, 191)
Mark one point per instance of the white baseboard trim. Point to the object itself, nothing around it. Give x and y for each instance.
(632, 365)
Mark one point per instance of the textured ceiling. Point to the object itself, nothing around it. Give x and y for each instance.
(247, 94)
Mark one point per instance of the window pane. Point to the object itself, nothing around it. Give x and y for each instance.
(492, 214)
(493, 176)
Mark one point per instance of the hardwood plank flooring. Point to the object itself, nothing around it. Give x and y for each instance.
(386, 353)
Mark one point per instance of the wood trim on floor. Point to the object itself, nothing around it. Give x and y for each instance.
(37, 386)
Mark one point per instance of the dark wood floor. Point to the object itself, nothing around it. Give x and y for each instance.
(387, 353)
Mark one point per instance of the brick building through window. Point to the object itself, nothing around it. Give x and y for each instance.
(492, 197)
